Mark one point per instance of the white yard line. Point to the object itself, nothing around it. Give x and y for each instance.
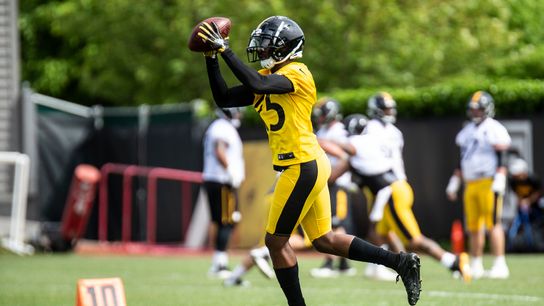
(452, 294)
(486, 296)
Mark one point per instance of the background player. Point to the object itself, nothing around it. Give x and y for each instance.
(283, 93)
(372, 168)
(382, 110)
(484, 143)
(222, 174)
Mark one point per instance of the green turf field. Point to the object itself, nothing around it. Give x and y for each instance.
(42, 280)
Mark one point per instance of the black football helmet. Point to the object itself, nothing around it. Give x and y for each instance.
(480, 106)
(326, 110)
(355, 123)
(382, 106)
(274, 41)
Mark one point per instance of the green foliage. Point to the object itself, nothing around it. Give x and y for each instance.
(512, 97)
(123, 52)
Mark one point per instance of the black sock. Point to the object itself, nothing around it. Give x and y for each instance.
(361, 250)
(222, 239)
(289, 283)
(343, 263)
(327, 263)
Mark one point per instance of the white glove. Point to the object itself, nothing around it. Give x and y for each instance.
(236, 176)
(499, 183)
(453, 184)
(379, 203)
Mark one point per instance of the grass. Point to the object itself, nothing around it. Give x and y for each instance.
(42, 280)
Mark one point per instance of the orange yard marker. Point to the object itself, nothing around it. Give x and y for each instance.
(100, 292)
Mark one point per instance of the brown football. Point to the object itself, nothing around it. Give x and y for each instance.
(196, 43)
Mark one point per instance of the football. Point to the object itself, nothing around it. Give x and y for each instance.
(196, 43)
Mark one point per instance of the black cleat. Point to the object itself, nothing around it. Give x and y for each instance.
(408, 270)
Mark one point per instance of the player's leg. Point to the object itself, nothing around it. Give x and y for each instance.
(317, 224)
(474, 225)
(407, 265)
(235, 278)
(257, 257)
(400, 217)
(492, 216)
(290, 202)
(380, 234)
(342, 223)
(221, 201)
(327, 269)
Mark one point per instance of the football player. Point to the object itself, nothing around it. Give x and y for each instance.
(327, 117)
(382, 109)
(283, 92)
(392, 208)
(223, 174)
(484, 143)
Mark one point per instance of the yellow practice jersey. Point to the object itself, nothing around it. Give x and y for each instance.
(288, 117)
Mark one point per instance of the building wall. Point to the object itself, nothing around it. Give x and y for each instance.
(9, 91)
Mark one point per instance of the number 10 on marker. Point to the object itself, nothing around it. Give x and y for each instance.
(100, 292)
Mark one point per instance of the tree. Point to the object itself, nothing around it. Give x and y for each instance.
(123, 52)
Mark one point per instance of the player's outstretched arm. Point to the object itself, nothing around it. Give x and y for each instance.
(257, 83)
(223, 95)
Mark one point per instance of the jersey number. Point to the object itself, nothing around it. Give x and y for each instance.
(273, 107)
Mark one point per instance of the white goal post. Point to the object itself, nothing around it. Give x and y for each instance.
(15, 241)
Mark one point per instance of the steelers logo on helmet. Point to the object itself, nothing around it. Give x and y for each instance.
(274, 41)
(355, 123)
(480, 106)
(326, 110)
(382, 106)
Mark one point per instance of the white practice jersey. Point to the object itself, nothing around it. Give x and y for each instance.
(222, 129)
(478, 156)
(369, 158)
(335, 132)
(395, 143)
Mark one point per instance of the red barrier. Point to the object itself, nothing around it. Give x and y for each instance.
(185, 177)
(153, 175)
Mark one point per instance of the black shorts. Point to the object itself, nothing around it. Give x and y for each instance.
(223, 201)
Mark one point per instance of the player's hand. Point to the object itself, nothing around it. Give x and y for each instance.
(211, 34)
(499, 183)
(236, 176)
(453, 186)
(452, 196)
